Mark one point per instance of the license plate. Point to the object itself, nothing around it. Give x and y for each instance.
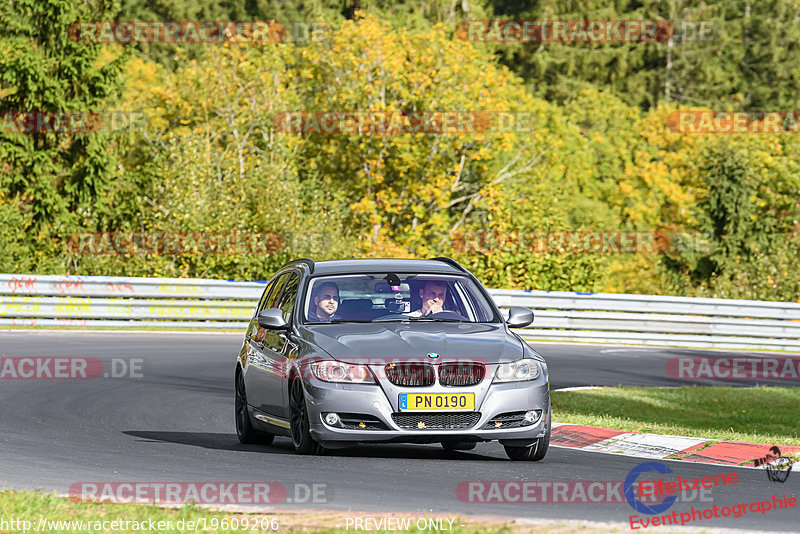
(437, 401)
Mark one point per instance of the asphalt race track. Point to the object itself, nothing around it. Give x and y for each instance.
(173, 421)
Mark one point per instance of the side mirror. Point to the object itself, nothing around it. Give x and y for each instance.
(272, 319)
(519, 317)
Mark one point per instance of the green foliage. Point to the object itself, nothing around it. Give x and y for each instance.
(743, 245)
(405, 192)
(722, 53)
(58, 181)
(222, 168)
(212, 157)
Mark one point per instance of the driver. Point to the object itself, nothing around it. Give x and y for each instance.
(324, 303)
(433, 295)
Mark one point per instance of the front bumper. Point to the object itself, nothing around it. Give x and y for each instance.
(380, 402)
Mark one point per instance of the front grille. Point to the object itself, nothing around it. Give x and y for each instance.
(361, 421)
(461, 374)
(410, 374)
(436, 421)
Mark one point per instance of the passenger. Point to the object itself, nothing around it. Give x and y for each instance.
(324, 303)
(433, 295)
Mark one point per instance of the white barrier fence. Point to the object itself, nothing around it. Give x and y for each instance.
(40, 300)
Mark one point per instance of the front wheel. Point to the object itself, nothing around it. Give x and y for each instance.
(299, 425)
(535, 452)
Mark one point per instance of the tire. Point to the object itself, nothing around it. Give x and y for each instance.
(244, 428)
(299, 424)
(535, 452)
(459, 445)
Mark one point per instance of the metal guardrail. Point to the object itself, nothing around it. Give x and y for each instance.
(47, 300)
(658, 320)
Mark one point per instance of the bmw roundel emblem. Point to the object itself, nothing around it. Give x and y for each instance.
(433, 355)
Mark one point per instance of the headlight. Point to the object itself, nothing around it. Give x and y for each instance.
(331, 371)
(518, 371)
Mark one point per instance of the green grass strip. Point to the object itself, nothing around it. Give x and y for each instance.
(755, 415)
(57, 512)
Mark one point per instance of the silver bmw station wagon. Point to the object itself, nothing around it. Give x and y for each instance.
(388, 350)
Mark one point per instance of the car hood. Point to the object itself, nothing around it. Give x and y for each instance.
(397, 341)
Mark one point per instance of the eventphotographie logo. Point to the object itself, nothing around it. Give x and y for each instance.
(631, 481)
(777, 466)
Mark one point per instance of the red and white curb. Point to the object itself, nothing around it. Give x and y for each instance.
(657, 446)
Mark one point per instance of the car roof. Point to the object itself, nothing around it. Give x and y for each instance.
(369, 265)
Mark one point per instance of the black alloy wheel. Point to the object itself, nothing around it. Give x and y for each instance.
(300, 427)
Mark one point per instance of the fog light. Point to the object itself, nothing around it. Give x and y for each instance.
(332, 419)
(531, 417)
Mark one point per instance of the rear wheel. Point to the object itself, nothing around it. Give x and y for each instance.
(244, 429)
(299, 424)
(535, 452)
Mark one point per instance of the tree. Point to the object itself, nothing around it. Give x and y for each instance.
(740, 54)
(744, 244)
(60, 180)
(222, 169)
(404, 193)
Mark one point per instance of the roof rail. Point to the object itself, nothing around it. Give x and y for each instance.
(450, 261)
(307, 261)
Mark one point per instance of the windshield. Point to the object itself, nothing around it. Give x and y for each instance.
(396, 297)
